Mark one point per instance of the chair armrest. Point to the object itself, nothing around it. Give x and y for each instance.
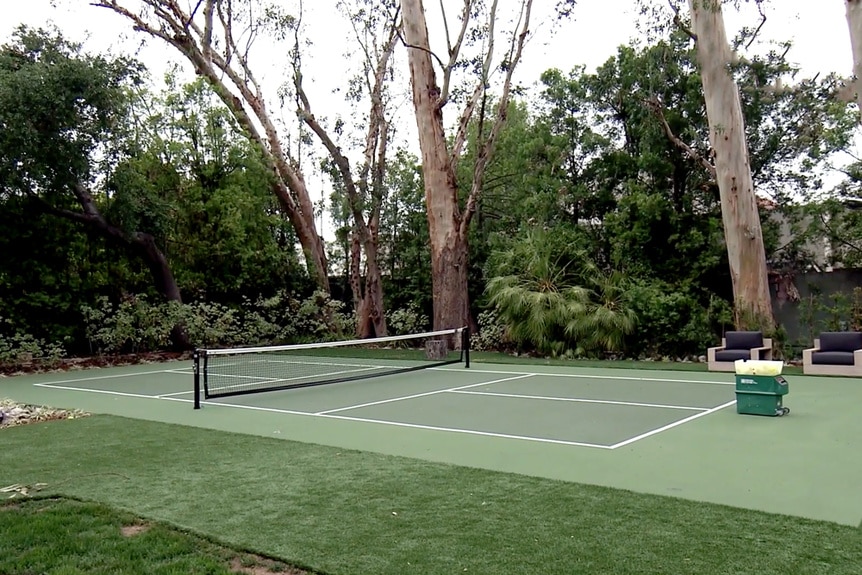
(857, 357)
(806, 354)
(764, 352)
(710, 352)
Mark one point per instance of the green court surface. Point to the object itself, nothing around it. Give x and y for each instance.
(669, 433)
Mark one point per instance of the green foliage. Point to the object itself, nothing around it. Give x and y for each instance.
(558, 308)
(133, 325)
(492, 333)
(137, 325)
(405, 321)
(19, 347)
(206, 194)
(321, 318)
(405, 258)
(836, 311)
(58, 106)
(673, 322)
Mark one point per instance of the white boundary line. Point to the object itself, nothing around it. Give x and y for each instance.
(167, 395)
(410, 425)
(469, 431)
(415, 395)
(670, 425)
(515, 376)
(581, 400)
(95, 378)
(584, 376)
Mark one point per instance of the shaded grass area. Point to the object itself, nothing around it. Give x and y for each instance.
(72, 537)
(348, 512)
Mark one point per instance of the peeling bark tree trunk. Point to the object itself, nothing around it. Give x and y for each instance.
(364, 198)
(854, 22)
(448, 225)
(742, 230)
(448, 247)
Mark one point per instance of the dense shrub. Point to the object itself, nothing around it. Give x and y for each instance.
(492, 333)
(405, 321)
(673, 322)
(19, 347)
(138, 325)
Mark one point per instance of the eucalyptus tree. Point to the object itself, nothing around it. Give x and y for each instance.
(374, 25)
(64, 115)
(450, 214)
(206, 189)
(218, 38)
(743, 234)
(854, 23)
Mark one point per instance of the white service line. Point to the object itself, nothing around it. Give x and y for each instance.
(410, 425)
(465, 431)
(671, 425)
(102, 391)
(583, 376)
(76, 380)
(581, 400)
(425, 394)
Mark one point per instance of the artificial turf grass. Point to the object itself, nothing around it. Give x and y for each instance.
(57, 535)
(349, 512)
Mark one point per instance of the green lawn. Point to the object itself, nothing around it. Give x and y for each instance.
(347, 512)
(72, 537)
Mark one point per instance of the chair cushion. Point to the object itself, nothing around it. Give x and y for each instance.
(732, 354)
(832, 358)
(743, 339)
(841, 341)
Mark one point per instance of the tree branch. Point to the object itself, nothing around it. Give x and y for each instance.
(677, 19)
(454, 52)
(488, 147)
(760, 26)
(655, 106)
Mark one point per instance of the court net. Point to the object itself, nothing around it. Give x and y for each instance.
(238, 371)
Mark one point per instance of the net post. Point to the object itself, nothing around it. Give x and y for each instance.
(465, 346)
(197, 370)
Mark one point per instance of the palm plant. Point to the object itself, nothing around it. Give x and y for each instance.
(548, 303)
(609, 316)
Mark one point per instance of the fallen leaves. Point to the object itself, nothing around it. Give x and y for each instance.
(12, 413)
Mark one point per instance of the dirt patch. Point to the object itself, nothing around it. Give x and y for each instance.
(132, 530)
(256, 565)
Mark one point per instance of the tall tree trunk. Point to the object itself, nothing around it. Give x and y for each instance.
(742, 230)
(854, 22)
(374, 285)
(448, 246)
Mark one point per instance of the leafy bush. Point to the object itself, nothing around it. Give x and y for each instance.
(19, 347)
(405, 321)
(321, 318)
(492, 333)
(673, 322)
(133, 325)
(138, 325)
(213, 325)
(558, 301)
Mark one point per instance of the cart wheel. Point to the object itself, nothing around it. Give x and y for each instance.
(785, 410)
